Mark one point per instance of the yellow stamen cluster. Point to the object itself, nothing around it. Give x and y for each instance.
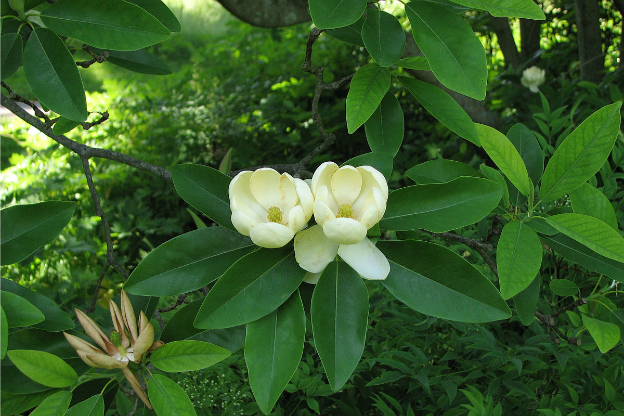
(345, 211)
(275, 214)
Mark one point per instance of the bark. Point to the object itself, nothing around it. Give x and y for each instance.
(506, 41)
(589, 40)
(269, 13)
(620, 6)
(530, 37)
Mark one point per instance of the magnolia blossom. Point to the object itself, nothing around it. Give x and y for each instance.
(128, 342)
(314, 251)
(532, 78)
(269, 207)
(348, 201)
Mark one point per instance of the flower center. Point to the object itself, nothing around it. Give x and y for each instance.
(274, 214)
(115, 338)
(345, 211)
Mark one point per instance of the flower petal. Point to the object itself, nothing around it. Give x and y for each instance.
(344, 230)
(265, 187)
(296, 219)
(322, 213)
(313, 250)
(105, 361)
(94, 331)
(239, 188)
(346, 185)
(144, 342)
(80, 344)
(136, 386)
(323, 194)
(305, 197)
(129, 316)
(118, 323)
(312, 278)
(370, 217)
(242, 222)
(322, 176)
(288, 193)
(271, 235)
(371, 177)
(83, 357)
(366, 259)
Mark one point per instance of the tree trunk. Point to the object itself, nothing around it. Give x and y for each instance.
(530, 37)
(506, 41)
(589, 40)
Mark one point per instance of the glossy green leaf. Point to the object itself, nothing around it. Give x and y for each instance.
(433, 280)
(273, 349)
(383, 162)
(563, 287)
(590, 201)
(20, 312)
(331, 14)
(592, 233)
(349, 34)
(4, 333)
(339, 314)
(168, 398)
(53, 76)
(253, 287)
(540, 226)
(440, 171)
(444, 108)
(417, 63)
(526, 301)
(181, 356)
(582, 255)
(188, 262)
(11, 46)
(385, 128)
(526, 9)
(16, 404)
(495, 176)
(442, 206)
(56, 318)
(55, 405)
(43, 367)
(93, 406)
(454, 52)
(64, 125)
(368, 87)
(160, 11)
(518, 258)
(383, 37)
(606, 334)
(106, 24)
(205, 189)
(502, 152)
(528, 147)
(140, 61)
(582, 153)
(25, 228)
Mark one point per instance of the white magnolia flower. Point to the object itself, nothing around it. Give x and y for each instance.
(348, 201)
(532, 78)
(314, 251)
(269, 207)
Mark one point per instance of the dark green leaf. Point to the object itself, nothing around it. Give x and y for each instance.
(53, 76)
(529, 149)
(93, 406)
(606, 334)
(417, 63)
(383, 162)
(563, 287)
(4, 333)
(518, 258)
(55, 405)
(368, 87)
(11, 51)
(383, 36)
(168, 398)
(330, 14)
(140, 61)
(15, 404)
(385, 128)
(349, 34)
(339, 316)
(43, 367)
(495, 176)
(160, 11)
(440, 171)
(64, 125)
(590, 201)
(181, 356)
(526, 301)
(435, 281)
(20, 312)
(506, 8)
(540, 225)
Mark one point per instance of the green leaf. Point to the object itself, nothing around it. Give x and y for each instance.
(454, 52)
(444, 108)
(53, 76)
(518, 258)
(16, 404)
(526, 9)
(64, 125)
(582, 153)
(168, 398)
(273, 349)
(385, 128)
(20, 312)
(349, 34)
(563, 287)
(180, 356)
(93, 406)
(205, 189)
(331, 14)
(368, 88)
(141, 61)
(526, 301)
(4, 333)
(592, 233)
(383, 37)
(253, 287)
(25, 228)
(495, 176)
(160, 11)
(590, 201)
(43, 367)
(606, 334)
(433, 280)
(502, 152)
(383, 162)
(528, 147)
(339, 314)
(106, 24)
(582, 255)
(441, 207)
(11, 46)
(188, 262)
(55, 405)
(417, 63)
(440, 171)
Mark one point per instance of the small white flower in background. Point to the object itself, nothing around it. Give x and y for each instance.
(269, 207)
(532, 78)
(348, 201)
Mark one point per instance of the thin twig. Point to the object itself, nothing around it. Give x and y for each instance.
(470, 242)
(38, 112)
(96, 58)
(551, 322)
(181, 299)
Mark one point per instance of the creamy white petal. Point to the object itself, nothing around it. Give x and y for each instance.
(325, 195)
(371, 177)
(239, 204)
(265, 187)
(312, 278)
(370, 217)
(271, 235)
(313, 250)
(296, 219)
(344, 230)
(380, 201)
(366, 259)
(288, 193)
(305, 197)
(322, 176)
(240, 185)
(242, 222)
(346, 185)
(322, 213)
